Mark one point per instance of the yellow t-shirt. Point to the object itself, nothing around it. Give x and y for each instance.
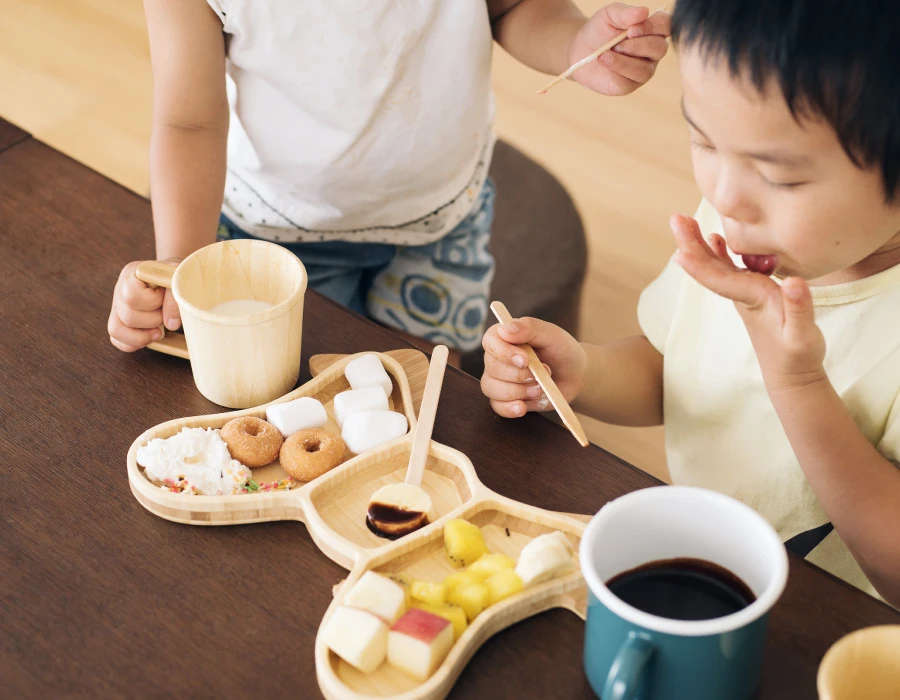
(722, 432)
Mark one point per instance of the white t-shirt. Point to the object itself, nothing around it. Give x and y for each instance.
(358, 121)
(722, 432)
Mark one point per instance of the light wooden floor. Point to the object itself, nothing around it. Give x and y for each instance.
(76, 74)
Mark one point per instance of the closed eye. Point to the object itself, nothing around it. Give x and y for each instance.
(702, 146)
(784, 185)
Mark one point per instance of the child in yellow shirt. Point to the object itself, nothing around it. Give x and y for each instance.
(771, 341)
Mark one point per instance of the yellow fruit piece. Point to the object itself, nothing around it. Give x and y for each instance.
(464, 542)
(503, 584)
(490, 564)
(471, 597)
(457, 578)
(453, 613)
(428, 592)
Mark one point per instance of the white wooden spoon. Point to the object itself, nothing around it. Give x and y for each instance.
(398, 509)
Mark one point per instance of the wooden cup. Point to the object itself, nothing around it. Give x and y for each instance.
(864, 664)
(238, 361)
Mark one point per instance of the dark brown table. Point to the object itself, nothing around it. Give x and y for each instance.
(99, 598)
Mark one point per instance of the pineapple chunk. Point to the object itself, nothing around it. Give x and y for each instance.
(454, 613)
(464, 542)
(432, 593)
(490, 564)
(471, 597)
(457, 578)
(503, 584)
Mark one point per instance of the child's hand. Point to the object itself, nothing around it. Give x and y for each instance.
(138, 311)
(508, 382)
(630, 64)
(779, 319)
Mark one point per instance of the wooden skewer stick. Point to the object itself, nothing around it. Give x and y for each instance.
(542, 377)
(589, 58)
(425, 423)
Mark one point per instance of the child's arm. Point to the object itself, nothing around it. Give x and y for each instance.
(190, 124)
(619, 382)
(187, 159)
(551, 35)
(856, 485)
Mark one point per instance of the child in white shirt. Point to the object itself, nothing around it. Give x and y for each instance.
(359, 135)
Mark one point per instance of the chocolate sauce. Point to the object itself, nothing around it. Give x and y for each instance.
(405, 521)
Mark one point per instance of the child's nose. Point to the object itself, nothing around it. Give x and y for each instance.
(732, 198)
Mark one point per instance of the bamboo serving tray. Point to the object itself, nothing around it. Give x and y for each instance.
(333, 507)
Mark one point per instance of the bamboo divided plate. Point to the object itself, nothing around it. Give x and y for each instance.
(334, 506)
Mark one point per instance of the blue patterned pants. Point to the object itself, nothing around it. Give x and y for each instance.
(438, 291)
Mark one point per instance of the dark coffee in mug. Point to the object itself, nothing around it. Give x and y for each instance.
(682, 589)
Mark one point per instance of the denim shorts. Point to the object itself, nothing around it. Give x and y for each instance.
(438, 291)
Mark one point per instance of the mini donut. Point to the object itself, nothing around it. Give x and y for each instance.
(252, 441)
(308, 454)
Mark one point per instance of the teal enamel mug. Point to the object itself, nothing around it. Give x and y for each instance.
(632, 654)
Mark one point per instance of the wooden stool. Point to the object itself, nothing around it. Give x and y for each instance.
(539, 243)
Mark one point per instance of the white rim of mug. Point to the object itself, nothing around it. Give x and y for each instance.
(254, 318)
(683, 628)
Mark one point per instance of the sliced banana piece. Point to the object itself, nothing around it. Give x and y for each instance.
(545, 557)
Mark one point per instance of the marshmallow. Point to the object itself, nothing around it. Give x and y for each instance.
(371, 398)
(367, 429)
(298, 414)
(368, 371)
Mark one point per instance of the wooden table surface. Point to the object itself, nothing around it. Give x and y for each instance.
(99, 598)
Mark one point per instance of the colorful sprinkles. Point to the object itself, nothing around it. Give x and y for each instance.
(285, 484)
(182, 485)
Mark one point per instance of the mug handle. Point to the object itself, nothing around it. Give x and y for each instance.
(628, 667)
(159, 274)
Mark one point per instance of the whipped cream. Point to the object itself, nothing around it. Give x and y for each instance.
(198, 456)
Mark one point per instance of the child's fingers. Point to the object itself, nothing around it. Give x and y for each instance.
(688, 237)
(134, 318)
(517, 409)
(170, 311)
(509, 409)
(622, 16)
(129, 339)
(638, 70)
(122, 346)
(718, 246)
(653, 48)
(799, 313)
(538, 334)
(505, 372)
(659, 23)
(498, 390)
(136, 294)
(502, 351)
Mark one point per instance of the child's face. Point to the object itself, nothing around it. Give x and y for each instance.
(784, 188)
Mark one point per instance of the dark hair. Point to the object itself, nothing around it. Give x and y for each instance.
(834, 59)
